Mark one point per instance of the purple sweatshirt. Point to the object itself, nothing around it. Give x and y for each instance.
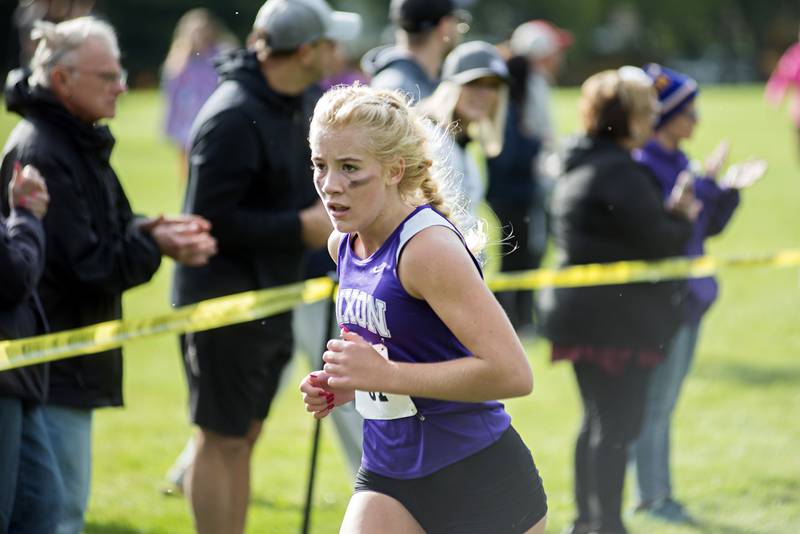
(186, 92)
(373, 303)
(718, 207)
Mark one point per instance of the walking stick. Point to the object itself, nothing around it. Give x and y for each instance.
(329, 310)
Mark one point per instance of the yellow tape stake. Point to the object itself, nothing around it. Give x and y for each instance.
(204, 315)
(252, 305)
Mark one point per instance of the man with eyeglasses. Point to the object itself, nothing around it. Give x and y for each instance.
(96, 247)
(250, 175)
(425, 32)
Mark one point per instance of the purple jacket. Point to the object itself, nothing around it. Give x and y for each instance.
(186, 92)
(718, 207)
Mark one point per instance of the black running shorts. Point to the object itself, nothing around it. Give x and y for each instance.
(495, 491)
(233, 374)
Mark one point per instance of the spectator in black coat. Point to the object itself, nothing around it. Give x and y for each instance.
(96, 247)
(607, 208)
(30, 484)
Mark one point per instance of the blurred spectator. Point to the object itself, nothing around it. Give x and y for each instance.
(97, 248)
(607, 208)
(29, 11)
(470, 105)
(785, 77)
(426, 31)
(719, 195)
(520, 178)
(189, 76)
(249, 173)
(543, 45)
(30, 485)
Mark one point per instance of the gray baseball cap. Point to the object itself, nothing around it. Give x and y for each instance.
(290, 23)
(470, 61)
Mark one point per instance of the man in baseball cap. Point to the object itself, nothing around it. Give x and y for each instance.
(425, 32)
(249, 173)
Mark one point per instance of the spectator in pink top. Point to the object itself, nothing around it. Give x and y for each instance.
(786, 76)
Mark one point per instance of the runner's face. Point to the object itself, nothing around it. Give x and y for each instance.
(348, 178)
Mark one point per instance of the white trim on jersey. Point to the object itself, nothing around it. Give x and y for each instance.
(424, 218)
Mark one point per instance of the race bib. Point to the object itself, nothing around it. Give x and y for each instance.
(378, 405)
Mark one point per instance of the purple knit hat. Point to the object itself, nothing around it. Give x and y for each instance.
(675, 90)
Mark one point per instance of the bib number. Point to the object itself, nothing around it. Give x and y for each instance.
(378, 405)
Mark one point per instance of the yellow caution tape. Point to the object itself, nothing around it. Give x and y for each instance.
(629, 272)
(252, 305)
(204, 315)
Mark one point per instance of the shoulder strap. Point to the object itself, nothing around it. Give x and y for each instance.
(425, 218)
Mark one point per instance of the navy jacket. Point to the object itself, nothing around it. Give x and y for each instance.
(21, 264)
(95, 250)
(512, 178)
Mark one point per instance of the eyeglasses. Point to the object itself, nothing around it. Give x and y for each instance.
(106, 76)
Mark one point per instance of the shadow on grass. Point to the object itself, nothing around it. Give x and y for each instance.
(269, 504)
(755, 375)
(720, 527)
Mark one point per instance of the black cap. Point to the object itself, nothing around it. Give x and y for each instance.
(416, 16)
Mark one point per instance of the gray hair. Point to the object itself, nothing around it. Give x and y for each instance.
(59, 42)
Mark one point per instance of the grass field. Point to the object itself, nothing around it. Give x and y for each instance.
(737, 430)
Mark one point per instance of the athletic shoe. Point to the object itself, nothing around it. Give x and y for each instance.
(667, 510)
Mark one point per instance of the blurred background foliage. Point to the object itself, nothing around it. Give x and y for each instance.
(717, 41)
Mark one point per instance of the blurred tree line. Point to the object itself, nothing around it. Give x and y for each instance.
(714, 40)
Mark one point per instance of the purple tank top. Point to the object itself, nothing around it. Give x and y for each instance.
(372, 302)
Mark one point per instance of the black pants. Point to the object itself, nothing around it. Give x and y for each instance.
(613, 406)
(519, 253)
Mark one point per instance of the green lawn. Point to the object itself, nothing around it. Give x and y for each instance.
(736, 452)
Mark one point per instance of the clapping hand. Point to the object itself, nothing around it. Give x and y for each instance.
(681, 199)
(717, 159)
(28, 190)
(185, 238)
(745, 174)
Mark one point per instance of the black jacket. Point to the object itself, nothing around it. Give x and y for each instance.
(95, 250)
(21, 264)
(607, 208)
(250, 174)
